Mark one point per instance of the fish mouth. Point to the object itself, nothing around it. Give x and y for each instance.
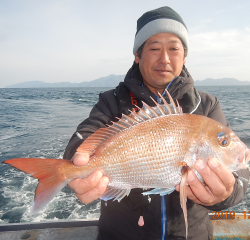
(247, 155)
(243, 158)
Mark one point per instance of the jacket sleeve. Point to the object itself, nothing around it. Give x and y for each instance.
(212, 109)
(238, 194)
(99, 116)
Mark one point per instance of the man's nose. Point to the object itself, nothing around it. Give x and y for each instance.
(164, 57)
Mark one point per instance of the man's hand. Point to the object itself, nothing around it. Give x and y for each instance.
(219, 180)
(90, 188)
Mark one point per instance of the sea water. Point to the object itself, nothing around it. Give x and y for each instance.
(39, 123)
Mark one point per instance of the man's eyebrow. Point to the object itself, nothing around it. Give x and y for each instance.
(171, 41)
(174, 41)
(152, 42)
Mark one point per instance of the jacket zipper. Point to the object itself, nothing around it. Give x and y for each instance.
(163, 218)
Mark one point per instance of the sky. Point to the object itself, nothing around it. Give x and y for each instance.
(82, 40)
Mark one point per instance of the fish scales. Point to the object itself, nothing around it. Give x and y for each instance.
(148, 154)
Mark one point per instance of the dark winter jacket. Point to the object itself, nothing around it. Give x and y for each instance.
(119, 220)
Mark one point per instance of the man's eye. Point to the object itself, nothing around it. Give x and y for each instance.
(174, 49)
(154, 49)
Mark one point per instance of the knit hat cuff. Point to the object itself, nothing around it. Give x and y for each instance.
(161, 26)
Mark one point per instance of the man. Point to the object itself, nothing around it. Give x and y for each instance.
(160, 48)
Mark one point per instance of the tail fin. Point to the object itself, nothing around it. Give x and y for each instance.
(48, 172)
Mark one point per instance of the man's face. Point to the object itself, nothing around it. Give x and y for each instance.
(162, 59)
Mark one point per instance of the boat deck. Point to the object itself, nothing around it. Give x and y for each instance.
(224, 229)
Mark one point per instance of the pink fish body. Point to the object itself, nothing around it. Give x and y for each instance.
(148, 149)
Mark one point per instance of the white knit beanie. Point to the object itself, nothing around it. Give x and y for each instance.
(160, 20)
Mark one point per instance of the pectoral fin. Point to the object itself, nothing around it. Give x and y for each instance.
(183, 198)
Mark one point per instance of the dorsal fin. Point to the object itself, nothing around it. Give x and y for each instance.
(144, 114)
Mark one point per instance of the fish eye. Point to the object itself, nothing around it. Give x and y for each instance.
(224, 139)
(223, 143)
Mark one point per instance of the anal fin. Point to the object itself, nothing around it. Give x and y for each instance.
(117, 194)
(161, 191)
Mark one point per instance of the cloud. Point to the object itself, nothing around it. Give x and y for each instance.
(220, 54)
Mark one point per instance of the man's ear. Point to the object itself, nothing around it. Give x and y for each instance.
(184, 61)
(137, 58)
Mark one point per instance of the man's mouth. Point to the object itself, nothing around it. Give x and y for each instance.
(162, 70)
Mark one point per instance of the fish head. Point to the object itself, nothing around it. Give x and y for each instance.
(227, 147)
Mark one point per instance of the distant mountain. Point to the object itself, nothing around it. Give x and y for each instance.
(220, 82)
(113, 81)
(109, 81)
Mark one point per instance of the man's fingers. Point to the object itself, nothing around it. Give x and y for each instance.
(90, 188)
(190, 194)
(94, 193)
(81, 186)
(198, 191)
(211, 179)
(217, 177)
(222, 172)
(80, 159)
